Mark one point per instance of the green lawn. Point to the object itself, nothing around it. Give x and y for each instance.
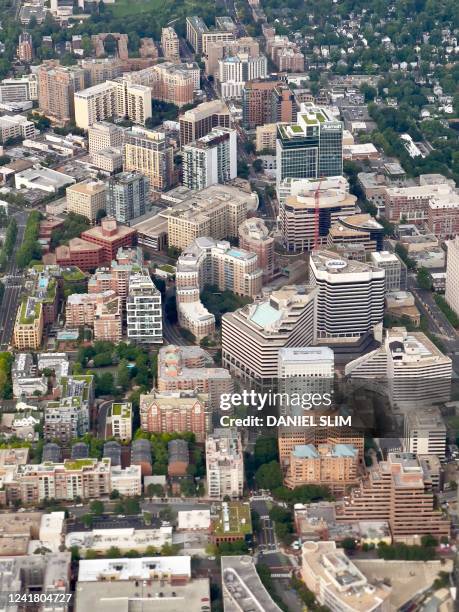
(122, 8)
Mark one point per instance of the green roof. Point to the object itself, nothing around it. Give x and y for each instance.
(239, 520)
(73, 274)
(24, 320)
(78, 464)
(125, 409)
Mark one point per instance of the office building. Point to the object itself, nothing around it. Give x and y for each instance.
(233, 72)
(207, 262)
(28, 326)
(265, 102)
(175, 411)
(224, 464)
(87, 198)
(127, 196)
(110, 236)
(255, 237)
(334, 466)
(361, 229)
(170, 44)
(216, 212)
(425, 432)
(310, 148)
(119, 423)
(408, 367)
(149, 153)
(19, 89)
(337, 583)
(210, 160)
(25, 47)
(452, 275)
(350, 299)
(57, 86)
(187, 368)
(16, 126)
(103, 135)
(394, 268)
(397, 491)
(253, 335)
(297, 208)
(143, 308)
(199, 121)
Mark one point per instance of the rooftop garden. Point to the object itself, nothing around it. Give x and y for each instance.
(78, 464)
(121, 409)
(73, 274)
(239, 520)
(28, 320)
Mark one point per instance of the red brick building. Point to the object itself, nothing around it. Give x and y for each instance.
(110, 236)
(81, 253)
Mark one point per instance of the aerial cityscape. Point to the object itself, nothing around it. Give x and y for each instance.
(229, 306)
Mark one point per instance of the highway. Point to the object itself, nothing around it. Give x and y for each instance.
(14, 282)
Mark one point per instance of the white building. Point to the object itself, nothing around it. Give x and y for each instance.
(52, 530)
(143, 307)
(127, 481)
(104, 135)
(452, 275)
(210, 160)
(233, 72)
(425, 432)
(193, 520)
(19, 90)
(224, 463)
(350, 299)
(119, 420)
(16, 126)
(126, 539)
(391, 264)
(43, 179)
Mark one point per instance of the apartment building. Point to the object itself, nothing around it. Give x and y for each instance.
(266, 136)
(170, 44)
(285, 54)
(256, 238)
(396, 491)
(109, 161)
(175, 411)
(108, 319)
(119, 421)
(214, 36)
(57, 86)
(149, 153)
(25, 47)
(425, 432)
(350, 299)
(297, 209)
(253, 335)
(233, 72)
(112, 99)
(82, 308)
(411, 204)
(128, 482)
(16, 126)
(127, 196)
(28, 326)
(333, 466)
(310, 148)
(224, 464)
(195, 28)
(267, 101)
(65, 419)
(210, 160)
(208, 262)
(172, 82)
(199, 121)
(216, 212)
(187, 368)
(408, 367)
(87, 198)
(100, 70)
(452, 275)
(103, 135)
(143, 308)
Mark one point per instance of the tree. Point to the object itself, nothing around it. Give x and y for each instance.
(155, 490)
(423, 278)
(243, 169)
(113, 553)
(115, 494)
(348, 544)
(269, 476)
(123, 376)
(87, 519)
(101, 213)
(258, 165)
(97, 507)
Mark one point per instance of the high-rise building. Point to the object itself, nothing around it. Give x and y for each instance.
(104, 135)
(170, 44)
(267, 101)
(233, 72)
(112, 99)
(195, 27)
(396, 491)
(408, 367)
(360, 229)
(213, 36)
(148, 152)
(65, 419)
(310, 148)
(25, 47)
(56, 89)
(350, 299)
(143, 307)
(394, 268)
(210, 160)
(253, 335)
(425, 432)
(179, 412)
(127, 196)
(87, 198)
(28, 327)
(255, 237)
(199, 121)
(20, 89)
(452, 275)
(218, 50)
(101, 70)
(224, 464)
(297, 209)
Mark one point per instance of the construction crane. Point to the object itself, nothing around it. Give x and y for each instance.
(317, 214)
